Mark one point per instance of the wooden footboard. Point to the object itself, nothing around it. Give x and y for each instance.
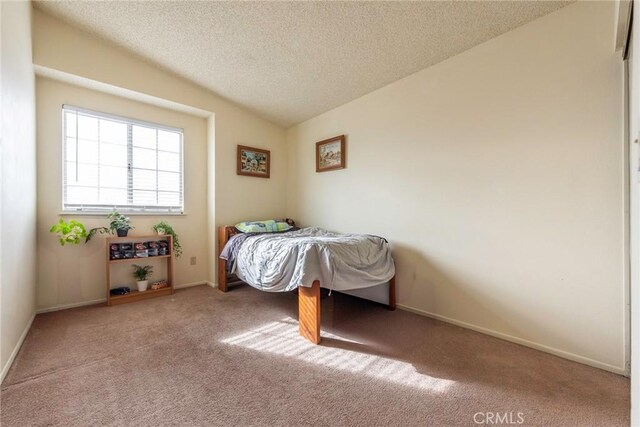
(309, 312)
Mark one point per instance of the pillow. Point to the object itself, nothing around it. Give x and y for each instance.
(282, 226)
(268, 226)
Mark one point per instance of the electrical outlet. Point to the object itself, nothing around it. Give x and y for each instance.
(193, 260)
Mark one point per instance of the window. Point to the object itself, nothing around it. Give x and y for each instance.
(113, 162)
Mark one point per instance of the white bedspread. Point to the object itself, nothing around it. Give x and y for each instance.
(283, 261)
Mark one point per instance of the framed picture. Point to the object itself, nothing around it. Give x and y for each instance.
(254, 162)
(330, 154)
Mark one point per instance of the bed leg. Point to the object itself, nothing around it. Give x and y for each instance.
(392, 294)
(222, 275)
(223, 237)
(309, 312)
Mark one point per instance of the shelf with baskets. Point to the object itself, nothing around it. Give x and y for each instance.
(123, 250)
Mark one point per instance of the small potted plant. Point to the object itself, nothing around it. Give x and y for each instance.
(69, 232)
(120, 224)
(142, 274)
(163, 228)
(97, 230)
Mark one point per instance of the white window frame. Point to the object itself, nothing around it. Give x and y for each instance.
(130, 209)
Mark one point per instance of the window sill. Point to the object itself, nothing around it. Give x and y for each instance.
(105, 213)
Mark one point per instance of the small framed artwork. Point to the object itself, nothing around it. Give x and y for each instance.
(330, 154)
(254, 162)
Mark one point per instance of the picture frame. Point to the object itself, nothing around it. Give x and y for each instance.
(254, 162)
(331, 154)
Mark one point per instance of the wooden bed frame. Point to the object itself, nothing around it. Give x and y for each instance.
(308, 297)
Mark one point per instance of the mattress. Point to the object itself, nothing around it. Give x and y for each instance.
(279, 262)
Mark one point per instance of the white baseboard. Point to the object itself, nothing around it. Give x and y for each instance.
(213, 285)
(189, 285)
(15, 351)
(556, 352)
(102, 300)
(72, 305)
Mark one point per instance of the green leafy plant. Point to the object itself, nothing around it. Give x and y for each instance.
(69, 232)
(142, 273)
(119, 221)
(163, 227)
(97, 230)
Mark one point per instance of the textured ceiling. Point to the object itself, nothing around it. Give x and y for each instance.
(290, 61)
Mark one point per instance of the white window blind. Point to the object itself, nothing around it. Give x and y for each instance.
(113, 162)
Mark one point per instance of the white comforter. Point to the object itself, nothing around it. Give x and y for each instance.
(283, 261)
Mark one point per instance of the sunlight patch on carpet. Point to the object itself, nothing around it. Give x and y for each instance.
(281, 338)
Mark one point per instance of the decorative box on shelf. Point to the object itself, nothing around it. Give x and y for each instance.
(128, 250)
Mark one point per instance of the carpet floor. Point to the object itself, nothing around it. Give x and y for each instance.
(201, 357)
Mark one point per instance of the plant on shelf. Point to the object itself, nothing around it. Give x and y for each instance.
(119, 223)
(163, 228)
(97, 230)
(142, 274)
(69, 232)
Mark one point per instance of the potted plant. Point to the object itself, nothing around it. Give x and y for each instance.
(119, 223)
(142, 274)
(163, 228)
(97, 230)
(69, 232)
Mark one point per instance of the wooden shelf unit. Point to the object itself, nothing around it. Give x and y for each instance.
(117, 261)
(135, 295)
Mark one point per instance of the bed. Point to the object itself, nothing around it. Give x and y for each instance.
(305, 259)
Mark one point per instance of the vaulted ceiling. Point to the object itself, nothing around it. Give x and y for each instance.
(290, 61)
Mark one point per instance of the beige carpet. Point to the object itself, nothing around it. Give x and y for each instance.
(206, 358)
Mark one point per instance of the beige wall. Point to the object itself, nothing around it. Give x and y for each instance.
(633, 111)
(498, 177)
(18, 184)
(74, 274)
(232, 198)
